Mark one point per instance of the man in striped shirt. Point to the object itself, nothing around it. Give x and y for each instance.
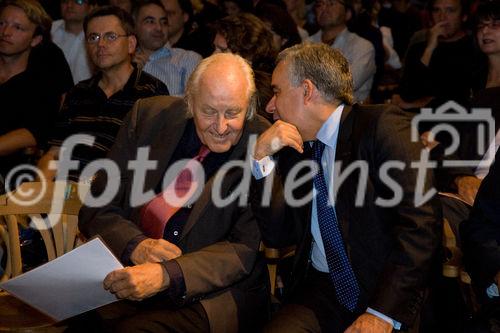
(97, 106)
(173, 66)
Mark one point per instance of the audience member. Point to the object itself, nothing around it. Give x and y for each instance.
(68, 34)
(487, 90)
(172, 66)
(202, 271)
(439, 69)
(247, 36)
(360, 265)
(183, 31)
(332, 17)
(98, 105)
(404, 19)
(297, 10)
(29, 102)
(281, 24)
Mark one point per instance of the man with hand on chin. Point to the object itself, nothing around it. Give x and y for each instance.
(359, 266)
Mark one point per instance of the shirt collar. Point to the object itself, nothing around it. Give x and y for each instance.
(339, 40)
(165, 51)
(328, 132)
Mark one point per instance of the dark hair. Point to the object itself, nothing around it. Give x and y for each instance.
(35, 13)
(281, 23)
(125, 18)
(247, 36)
(143, 3)
(487, 10)
(186, 7)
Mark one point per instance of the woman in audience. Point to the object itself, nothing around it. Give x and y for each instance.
(487, 78)
(246, 35)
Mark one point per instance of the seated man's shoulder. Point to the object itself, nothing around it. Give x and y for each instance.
(183, 54)
(359, 42)
(149, 85)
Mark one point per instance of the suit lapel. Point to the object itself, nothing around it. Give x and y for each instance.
(162, 149)
(343, 155)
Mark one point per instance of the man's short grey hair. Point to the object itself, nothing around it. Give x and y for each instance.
(326, 67)
(192, 87)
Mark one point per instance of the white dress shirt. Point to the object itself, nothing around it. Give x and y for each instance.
(74, 50)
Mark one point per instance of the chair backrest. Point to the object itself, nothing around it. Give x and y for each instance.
(33, 202)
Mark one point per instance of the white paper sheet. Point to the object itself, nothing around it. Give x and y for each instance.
(68, 285)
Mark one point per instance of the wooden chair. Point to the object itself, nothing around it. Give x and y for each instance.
(59, 233)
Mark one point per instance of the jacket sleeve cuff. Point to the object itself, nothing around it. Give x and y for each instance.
(177, 287)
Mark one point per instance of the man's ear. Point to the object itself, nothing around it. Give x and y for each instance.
(309, 88)
(348, 14)
(36, 40)
(185, 17)
(132, 44)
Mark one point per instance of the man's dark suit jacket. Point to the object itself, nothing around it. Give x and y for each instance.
(481, 233)
(391, 250)
(220, 261)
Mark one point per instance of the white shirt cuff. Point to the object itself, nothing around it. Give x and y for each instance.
(263, 167)
(395, 324)
(492, 291)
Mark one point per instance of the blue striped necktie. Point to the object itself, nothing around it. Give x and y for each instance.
(341, 273)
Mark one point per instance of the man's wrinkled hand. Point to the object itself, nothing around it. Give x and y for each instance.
(154, 250)
(279, 135)
(368, 323)
(137, 282)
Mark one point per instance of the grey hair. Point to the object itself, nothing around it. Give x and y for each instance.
(326, 67)
(192, 87)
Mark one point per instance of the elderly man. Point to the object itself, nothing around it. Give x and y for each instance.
(203, 265)
(332, 17)
(364, 246)
(98, 105)
(172, 66)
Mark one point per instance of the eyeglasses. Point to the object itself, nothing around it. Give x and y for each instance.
(493, 25)
(109, 37)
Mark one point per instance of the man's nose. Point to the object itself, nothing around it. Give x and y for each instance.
(221, 125)
(271, 105)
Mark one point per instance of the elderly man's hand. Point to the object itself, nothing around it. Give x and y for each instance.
(138, 282)
(154, 250)
(467, 188)
(368, 323)
(280, 135)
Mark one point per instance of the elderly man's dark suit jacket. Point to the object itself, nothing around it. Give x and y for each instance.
(220, 261)
(391, 249)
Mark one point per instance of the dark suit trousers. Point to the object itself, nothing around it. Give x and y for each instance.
(151, 315)
(313, 308)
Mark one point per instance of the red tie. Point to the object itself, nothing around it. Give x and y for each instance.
(156, 213)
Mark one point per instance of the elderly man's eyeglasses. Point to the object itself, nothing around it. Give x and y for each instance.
(109, 37)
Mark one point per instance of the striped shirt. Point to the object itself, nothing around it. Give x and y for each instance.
(87, 110)
(173, 67)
